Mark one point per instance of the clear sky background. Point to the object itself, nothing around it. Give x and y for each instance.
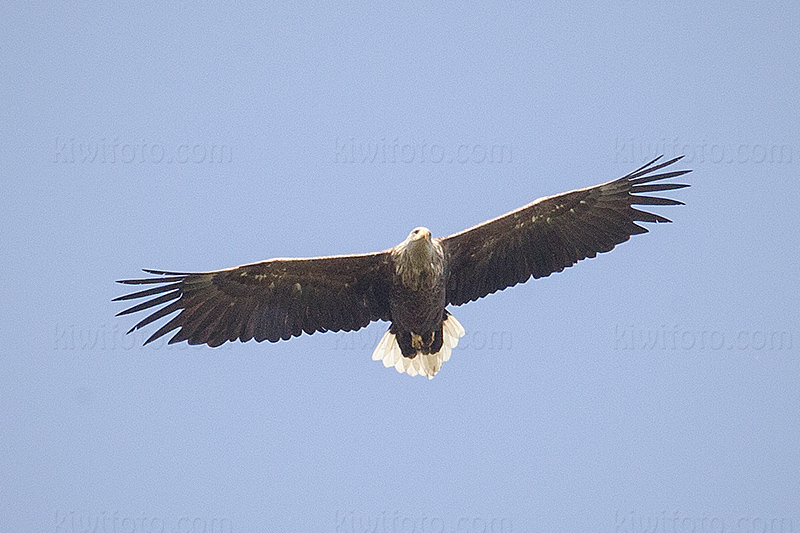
(652, 387)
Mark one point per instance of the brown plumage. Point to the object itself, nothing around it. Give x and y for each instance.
(409, 285)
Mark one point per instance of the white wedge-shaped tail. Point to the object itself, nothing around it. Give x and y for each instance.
(388, 351)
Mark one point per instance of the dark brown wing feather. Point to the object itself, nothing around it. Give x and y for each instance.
(552, 233)
(272, 300)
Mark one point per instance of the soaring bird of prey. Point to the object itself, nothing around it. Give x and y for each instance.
(409, 285)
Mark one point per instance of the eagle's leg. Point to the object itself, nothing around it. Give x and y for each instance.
(419, 354)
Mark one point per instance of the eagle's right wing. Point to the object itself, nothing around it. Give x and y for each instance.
(552, 233)
(271, 300)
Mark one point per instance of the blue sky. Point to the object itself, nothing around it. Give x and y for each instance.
(652, 387)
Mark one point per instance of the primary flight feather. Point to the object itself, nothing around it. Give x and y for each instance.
(409, 285)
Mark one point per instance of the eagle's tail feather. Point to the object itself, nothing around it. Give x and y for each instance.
(389, 352)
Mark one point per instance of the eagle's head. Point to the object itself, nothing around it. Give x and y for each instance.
(419, 258)
(418, 234)
(418, 246)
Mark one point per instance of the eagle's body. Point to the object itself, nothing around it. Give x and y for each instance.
(417, 298)
(417, 303)
(409, 285)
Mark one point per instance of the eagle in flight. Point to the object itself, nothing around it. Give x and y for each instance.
(409, 285)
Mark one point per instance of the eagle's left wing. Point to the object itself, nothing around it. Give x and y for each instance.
(552, 233)
(271, 300)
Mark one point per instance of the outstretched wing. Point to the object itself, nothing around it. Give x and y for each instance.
(271, 300)
(552, 233)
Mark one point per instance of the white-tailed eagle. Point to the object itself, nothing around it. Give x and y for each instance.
(409, 285)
